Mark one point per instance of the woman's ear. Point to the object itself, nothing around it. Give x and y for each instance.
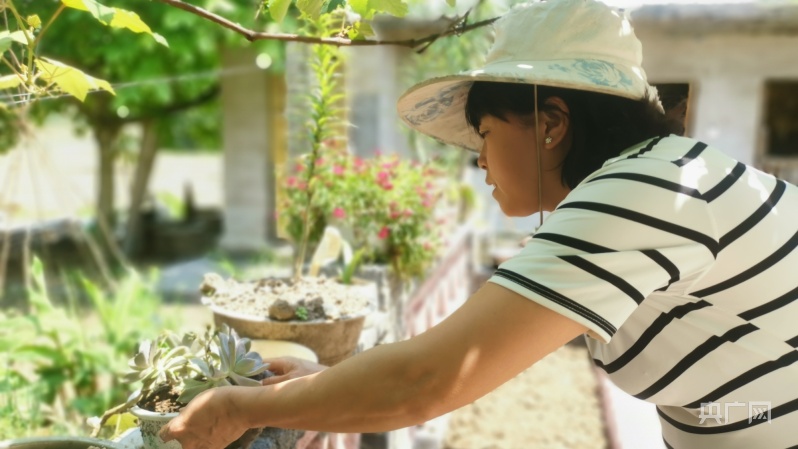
(556, 122)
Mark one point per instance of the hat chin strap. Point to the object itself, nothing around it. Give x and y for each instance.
(538, 147)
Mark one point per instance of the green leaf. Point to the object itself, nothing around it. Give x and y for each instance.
(360, 31)
(451, 2)
(278, 9)
(70, 79)
(7, 38)
(102, 13)
(192, 389)
(367, 8)
(115, 17)
(130, 20)
(160, 39)
(361, 7)
(396, 8)
(10, 81)
(333, 5)
(310, 7)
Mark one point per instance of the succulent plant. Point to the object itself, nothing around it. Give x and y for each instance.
(189, 364)
(229, 362)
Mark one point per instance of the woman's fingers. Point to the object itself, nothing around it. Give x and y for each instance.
(281, 365)
(275, 379)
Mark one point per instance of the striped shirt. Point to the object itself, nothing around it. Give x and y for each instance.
(681, 262)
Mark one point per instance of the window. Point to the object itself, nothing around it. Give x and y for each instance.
(675, 97)
(781, 118)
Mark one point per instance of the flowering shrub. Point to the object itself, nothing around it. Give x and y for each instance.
(384, 204)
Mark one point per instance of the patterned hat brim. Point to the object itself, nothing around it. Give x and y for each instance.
(436, 107)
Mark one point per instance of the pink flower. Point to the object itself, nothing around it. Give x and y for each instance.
(300, 167)
(291, 181)
(408, 213)
(384, 233)
(387, 185)
(320, 161)
(339, 213)
(395, 215)
(383, 176)
(338, 170)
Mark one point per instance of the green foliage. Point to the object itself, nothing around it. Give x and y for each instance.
(57, 363)
(301, 312)
(324, 126)
(367, 8)
(449, 55)
(351, 267)
(314, 9)
(37, 75)
(278, 9)
(113, 17)
(364, 10)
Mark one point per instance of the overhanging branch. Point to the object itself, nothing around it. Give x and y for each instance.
(457, 28)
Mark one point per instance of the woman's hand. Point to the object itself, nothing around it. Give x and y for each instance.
(287, 368)
(209, 421)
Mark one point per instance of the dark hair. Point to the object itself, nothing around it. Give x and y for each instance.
(602, 125)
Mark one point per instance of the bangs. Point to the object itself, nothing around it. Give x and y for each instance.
(498, 99)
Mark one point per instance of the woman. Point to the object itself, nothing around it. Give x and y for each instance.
(675, 261)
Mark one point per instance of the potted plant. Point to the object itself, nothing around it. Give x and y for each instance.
(173, 369)
(325, 314)
(308, 304)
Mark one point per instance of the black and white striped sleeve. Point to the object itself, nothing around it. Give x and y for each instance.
(616, 238)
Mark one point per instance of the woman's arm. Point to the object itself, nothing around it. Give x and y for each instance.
(494, 336)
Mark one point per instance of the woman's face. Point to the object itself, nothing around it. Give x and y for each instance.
(510, 159)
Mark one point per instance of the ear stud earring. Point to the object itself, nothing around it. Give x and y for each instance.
(548, 140)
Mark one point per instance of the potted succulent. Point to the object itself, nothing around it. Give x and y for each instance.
(173, 369)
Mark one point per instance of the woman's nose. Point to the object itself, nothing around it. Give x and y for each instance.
(482, 161)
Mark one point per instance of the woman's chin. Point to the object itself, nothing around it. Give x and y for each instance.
(518, 212)
(512, 209)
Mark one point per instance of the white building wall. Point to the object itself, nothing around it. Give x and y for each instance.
(727, 74)
(248, 168)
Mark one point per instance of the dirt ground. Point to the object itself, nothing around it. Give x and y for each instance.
(551, 405)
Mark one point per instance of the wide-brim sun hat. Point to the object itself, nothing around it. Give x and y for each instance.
(575, 44)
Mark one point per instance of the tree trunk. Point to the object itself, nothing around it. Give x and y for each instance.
(106, 137)
(141, 180)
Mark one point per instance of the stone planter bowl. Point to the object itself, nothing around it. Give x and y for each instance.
(333, 340)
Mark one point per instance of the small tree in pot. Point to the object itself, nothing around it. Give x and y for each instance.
(308, 305)
(173, 369)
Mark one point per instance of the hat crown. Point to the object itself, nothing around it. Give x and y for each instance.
(565, 29)
(569, 44)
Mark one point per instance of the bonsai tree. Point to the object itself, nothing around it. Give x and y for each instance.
(173, 369)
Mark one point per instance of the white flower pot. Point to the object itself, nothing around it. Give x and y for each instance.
(150, 424)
